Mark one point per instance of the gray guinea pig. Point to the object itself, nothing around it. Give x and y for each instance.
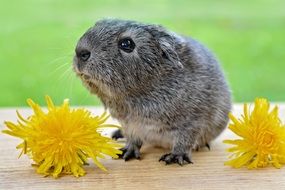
(164, 89)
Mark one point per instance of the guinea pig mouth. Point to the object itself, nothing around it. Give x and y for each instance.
(87, 81)
(81, 75)
(85, 77)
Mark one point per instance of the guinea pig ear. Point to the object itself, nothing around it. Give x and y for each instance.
(166, 42)
(168, 52)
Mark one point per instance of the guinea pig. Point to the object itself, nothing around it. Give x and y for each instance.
(165, 89)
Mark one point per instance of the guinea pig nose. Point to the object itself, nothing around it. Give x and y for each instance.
(83, 55)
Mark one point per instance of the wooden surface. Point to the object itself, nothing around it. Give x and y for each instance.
(207, 172)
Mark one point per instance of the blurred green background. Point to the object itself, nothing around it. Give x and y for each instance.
(37, 40)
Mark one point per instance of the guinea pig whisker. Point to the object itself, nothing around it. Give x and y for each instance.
(69, 69)
(71, 84)
(54, 61)
(59, 68)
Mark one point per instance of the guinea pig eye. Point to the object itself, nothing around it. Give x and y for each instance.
(127, 45)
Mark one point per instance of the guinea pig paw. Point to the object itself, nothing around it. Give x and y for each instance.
(180, 159)
(130, 152)
(117, 135)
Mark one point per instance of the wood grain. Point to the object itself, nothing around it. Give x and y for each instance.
(207, 172)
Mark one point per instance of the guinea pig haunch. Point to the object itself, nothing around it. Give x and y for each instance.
(164, 89)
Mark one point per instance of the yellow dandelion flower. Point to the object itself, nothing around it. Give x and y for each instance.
(262, 137)
(62, 139)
